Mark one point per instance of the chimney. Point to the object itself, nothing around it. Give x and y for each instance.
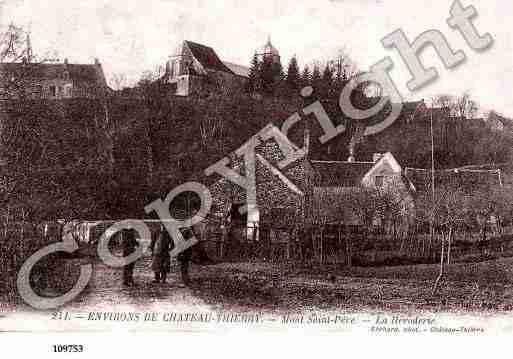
(96, 61)
(66, 61)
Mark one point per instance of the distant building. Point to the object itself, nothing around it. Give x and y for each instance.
(52, 81)
(269, 53)
(197, 69)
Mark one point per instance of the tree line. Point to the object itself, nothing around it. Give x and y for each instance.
(269, 78)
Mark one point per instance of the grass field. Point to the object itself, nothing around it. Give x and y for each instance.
(467, 287)
(471, 287)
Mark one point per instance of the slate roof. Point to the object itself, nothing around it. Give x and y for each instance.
(340, 174)
(238, 69)
(207, 57)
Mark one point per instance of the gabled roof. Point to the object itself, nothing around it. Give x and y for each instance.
(269, 155)
(207, 57)
(350, 174)
(77, 72)
(340, 174)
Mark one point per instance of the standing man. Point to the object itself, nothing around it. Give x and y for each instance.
(185, 258)
(130, 245)
(160, 246)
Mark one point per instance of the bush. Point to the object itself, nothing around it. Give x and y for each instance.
(51, 276)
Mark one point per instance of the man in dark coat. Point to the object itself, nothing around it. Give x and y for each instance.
(185, 258)
(130, 245)
(161, 245)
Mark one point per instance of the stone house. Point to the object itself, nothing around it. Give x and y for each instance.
(52, 81)
(280, 192)
(296, 194)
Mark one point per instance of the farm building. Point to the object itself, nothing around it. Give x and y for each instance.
(305, 192)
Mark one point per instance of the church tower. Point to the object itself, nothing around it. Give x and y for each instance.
(270, 53)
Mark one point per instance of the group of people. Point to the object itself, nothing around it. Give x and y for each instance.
(161, 246)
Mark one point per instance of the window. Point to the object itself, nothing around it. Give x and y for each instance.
(378, 181)
(53, 91)
(67, 91)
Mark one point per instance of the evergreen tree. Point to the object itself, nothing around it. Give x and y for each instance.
(306, 77)
(293, 76)
(278, 74)
(338, 82)
(326, 81)
(316, 77)
(254, 78)
(268, 76)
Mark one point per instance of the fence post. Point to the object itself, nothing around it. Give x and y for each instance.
(221, 246)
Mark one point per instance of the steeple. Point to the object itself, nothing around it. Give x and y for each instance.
(269, 52)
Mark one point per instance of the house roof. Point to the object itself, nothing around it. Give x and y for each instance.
(77, 72)
(340, 174)
(207, 57)
(238, 69)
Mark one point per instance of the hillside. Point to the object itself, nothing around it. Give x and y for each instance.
(107, 159)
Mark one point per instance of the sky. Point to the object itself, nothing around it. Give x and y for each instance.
(131, 36)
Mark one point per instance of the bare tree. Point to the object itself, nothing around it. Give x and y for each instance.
(12, 44)
(448, 211)
(461, 107)
(18, 82)
(118, 81)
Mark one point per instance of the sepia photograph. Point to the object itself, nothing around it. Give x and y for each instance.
(334, 166)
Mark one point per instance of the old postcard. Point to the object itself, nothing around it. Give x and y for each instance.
(335, 166)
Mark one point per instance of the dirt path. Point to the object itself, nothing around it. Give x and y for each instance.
(106, 290)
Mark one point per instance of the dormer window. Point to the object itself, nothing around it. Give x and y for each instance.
(65, 76)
